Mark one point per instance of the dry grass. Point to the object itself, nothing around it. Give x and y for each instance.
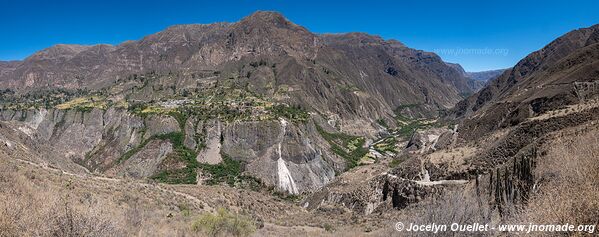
(36, 202)
(26, 211)
(570, 109)
(568, 190)
(455, 205)
(455, 158)
(39, 202)
(461, 205)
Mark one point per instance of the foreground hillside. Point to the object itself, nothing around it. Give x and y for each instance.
(38, 199)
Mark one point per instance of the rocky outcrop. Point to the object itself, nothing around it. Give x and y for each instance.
(212, 131)
(282, 154)
(95, 138)
(524, 136)
(146, 162)
(160, 124)
(382, 193)
(427, 140)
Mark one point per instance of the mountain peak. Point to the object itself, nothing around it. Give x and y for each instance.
(58, 51)
(266, 18)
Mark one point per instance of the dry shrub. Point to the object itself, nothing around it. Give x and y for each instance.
(64, 220)
(34, 202)
(224, 223)
(461, 205)
(568, 191)
(19, 209)
(28, 209)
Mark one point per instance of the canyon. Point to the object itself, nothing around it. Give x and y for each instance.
(303, 133)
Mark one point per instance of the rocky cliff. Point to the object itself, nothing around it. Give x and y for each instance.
(117, 143)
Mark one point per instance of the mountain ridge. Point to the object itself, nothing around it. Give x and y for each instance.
(263, 92)
(542, 81)
(382, 74)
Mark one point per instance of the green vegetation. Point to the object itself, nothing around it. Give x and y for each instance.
(408, 126)
(400, 108)
(132, 152)
(224, 223)
(249, 182)
(285, 196)
(348, 88)
(185, 175)
(328, 227)
(228, 171)
(219, 111)
(293, 113)
(347, 146)
(85, 103)
(226, 99)
(180, 117)
(136, 108)
(383, 123)
(387, 145)
(179, 176)
(52, 98)
(185, 211)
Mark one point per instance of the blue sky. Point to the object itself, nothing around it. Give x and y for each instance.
(480, 35)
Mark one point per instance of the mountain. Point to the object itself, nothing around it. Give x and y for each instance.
(485, 75)
(378, 75)
(560, 74)
(7, 67)
(477, 80)
(292, 107)
(282, 131)
(523, 135)
(503, 151)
